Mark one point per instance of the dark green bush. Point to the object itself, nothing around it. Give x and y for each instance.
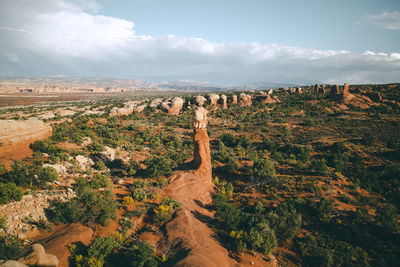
(11, 247)
(10, 192)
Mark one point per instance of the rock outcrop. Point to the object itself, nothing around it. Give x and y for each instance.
(129, 108)
(234, 99)
(224, 102)
(16, 136)
(200, 100)
(202, 158)
(39, 258)
(213, 99)
(32, 207)
(174, 106)
(245, 100)
(187, 234)
(58, 243)
(156, 102)
(343, 95)
(375, 96)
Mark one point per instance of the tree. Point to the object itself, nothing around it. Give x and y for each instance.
(264, 171)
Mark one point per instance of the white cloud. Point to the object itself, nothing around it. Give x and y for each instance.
(47, 37)
(389, 20)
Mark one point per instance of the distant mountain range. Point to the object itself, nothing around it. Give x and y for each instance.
(65, 84)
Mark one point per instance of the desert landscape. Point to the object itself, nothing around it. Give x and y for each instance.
(291, 176)
(151, 133)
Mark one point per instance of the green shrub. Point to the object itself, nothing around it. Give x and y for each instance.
(320, 167)
(264, 171)
(228, 139)
(99, 181)
(158, 166)
(139, 195)
(88, 206)
(10, 192)
(11, 247)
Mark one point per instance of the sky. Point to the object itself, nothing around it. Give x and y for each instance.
(227, 42)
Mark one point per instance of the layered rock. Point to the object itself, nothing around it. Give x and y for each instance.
(213, 99)
(245, 100)
(16, 136)
(224, 102)
(343, 95)
(174, 106)
(39, 257)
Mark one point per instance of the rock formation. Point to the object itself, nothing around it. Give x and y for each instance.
(59, 242)
(213, 99)
(270, 91)
(234, 99)
(245, 100)
(174, 106)
(200, 100)
(39, 258)
(202, 158)
(156, 102)
(320, 89)
(343, 95)
(224, 102)
(16, 136)
(129, 108)
(187, 234)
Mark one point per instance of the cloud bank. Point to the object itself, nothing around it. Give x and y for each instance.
(53, 37)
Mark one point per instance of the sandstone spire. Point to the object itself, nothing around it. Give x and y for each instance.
(202, 157)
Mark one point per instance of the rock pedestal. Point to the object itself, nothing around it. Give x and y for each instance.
(224, 101)
(202, 157)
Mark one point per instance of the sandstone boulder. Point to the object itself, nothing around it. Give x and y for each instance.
(200, 118)
(84, 162)
(156, 102)
(11, 263)
(245, 100)
(213, 99)
(174, 106)
(224, 101)
(200, 100)
(39, 258)
(234, 100)
(270, 91)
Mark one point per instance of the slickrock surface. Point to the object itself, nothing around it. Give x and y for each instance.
(16, 136)
(58, 244)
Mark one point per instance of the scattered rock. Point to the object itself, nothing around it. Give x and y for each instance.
(84, 162)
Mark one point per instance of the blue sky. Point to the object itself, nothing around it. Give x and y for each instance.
(339, 24)
(225, 42)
